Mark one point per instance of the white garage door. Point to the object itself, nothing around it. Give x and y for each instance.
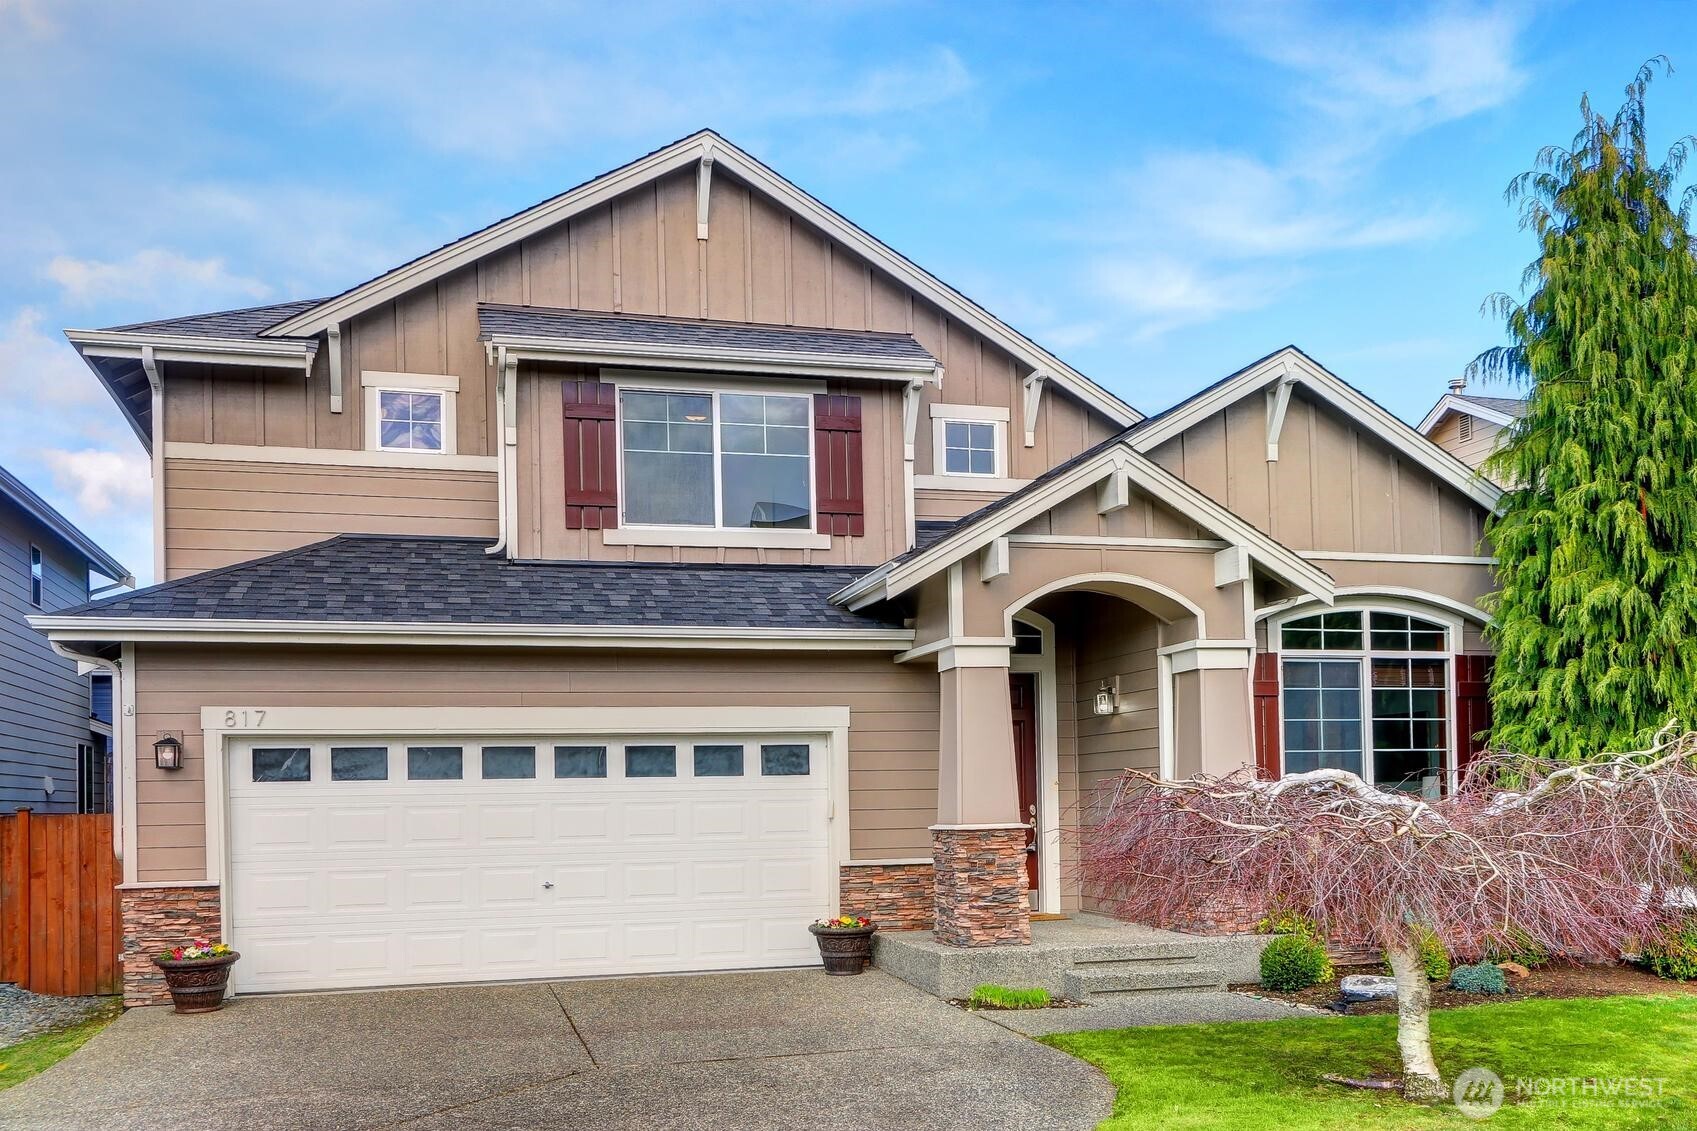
(369, 862)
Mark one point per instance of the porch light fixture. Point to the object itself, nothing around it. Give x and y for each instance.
(1108, 698)
(168, 752)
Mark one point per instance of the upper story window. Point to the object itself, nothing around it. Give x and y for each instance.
(716, 459)
(1368, 691)
(410, 412)
(37, 575)
(969, 441)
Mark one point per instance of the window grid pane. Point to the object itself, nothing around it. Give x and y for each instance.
(411, 421)
(359, 763)
(435, 763)
(1322, 715)
(969, 448)
(651, 761)
(763, 462)
(718, 761)
(293, 763)
(580, 761)
(1410, 723)
(1326, 632)
(668, 458)
(785, 760)
(507, 763)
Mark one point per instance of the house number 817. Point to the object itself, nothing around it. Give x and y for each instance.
(253, 718)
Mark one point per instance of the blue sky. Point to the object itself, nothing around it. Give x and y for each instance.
(1159, 192)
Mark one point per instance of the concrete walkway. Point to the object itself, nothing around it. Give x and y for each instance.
(772, 1049)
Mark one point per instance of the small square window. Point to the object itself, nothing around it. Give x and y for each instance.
(580, 761)
(785, 760)
(651, 761)
(505, 763)
(293, 763)
(718, 761)
(969, 448)
(435, 763)
(409, 421)
(359, 763)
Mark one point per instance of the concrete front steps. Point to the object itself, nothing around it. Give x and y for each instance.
(1088, 958)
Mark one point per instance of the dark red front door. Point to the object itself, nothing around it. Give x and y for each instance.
(1022, 691)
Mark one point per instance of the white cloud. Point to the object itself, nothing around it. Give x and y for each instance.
(1165, 293)
(39, 368)
(101, 480)
(159, 274)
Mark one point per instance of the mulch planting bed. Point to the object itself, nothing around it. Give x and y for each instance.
(1552, 981)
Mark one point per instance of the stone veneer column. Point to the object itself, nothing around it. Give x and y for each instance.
(978, 842)
(157, 917)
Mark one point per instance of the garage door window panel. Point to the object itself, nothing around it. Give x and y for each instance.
(435, 763)
(509, 763)
(281, 764)
(359, 763)
(651, 761)
(580, 761)
(785, 760)
(718, 761)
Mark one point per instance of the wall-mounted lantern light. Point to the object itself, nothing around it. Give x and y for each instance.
(1108, 697)
(168, 752)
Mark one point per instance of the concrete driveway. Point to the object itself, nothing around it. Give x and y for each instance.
(769, 1049)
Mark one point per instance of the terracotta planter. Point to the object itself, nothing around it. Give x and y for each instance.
(197, 984)
(845, 950)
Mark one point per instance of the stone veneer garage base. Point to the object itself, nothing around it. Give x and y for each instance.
(157, 917)
(897, 897)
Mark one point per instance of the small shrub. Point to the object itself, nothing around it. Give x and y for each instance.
(1485, 978)
(1290, 923)
(1294, 962)
(1522, 949)
(1433, 957)
(1001, 997)
(1674, 955)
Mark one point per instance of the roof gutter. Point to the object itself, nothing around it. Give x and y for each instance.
(191, 630)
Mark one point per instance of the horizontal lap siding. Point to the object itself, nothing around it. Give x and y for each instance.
(892, 737)
(220, 512)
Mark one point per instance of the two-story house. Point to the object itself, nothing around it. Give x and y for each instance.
(55, 714)
(628, 583)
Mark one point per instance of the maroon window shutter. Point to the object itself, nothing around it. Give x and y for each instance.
(837, 472)
(1472, 708)
(1266, 704)
(591, 450)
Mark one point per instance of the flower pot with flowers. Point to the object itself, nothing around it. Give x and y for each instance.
(845, 943)
(197, 974)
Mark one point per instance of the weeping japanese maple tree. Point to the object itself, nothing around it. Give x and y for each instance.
(1583, 859)
(1595, 617)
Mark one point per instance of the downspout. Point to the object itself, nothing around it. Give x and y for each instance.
(123, 751)
(156, 387)
(506, 467)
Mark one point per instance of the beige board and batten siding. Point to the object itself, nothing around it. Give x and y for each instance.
(1472, 451)
(892, 733)
(220, 512)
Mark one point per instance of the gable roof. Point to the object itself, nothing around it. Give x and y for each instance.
(1290, 363)
(15, 489)
(244, 322)
(1501, 411)
(381, 583)
(600, 337)
(679, 155)
(1115, 455)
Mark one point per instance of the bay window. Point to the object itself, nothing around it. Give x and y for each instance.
(1367, 690)
(716, 459)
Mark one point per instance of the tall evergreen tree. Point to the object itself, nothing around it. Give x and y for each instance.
(1596, 543)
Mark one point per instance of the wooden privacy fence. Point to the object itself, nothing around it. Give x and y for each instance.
(59, 914)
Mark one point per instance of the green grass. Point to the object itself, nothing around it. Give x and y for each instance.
(37, 1054)
(1001, 997)
(1249, 1075)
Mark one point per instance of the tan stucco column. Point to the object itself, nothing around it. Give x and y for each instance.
(1213, 722)
(978, 843)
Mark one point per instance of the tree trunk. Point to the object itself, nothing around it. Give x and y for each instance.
(1420, 1077)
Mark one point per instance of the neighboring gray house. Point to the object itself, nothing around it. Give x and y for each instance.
(55, 721)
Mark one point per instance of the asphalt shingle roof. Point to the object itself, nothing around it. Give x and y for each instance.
(379, 579)
(244, 323)
(1509, 406)
(640, 330)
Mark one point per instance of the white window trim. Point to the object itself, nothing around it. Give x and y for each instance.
(716, 535)
(942, 415)
(446, 385)
(1452, 626)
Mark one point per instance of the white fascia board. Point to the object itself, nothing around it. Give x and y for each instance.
(626, 356)
(1149, 477)
(726, 156)
(1340, 395)
(1453, 403)
(179, 347)
(189, 630)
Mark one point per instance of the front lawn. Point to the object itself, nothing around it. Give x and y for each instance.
(37, 1054)
(1249, 1075)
